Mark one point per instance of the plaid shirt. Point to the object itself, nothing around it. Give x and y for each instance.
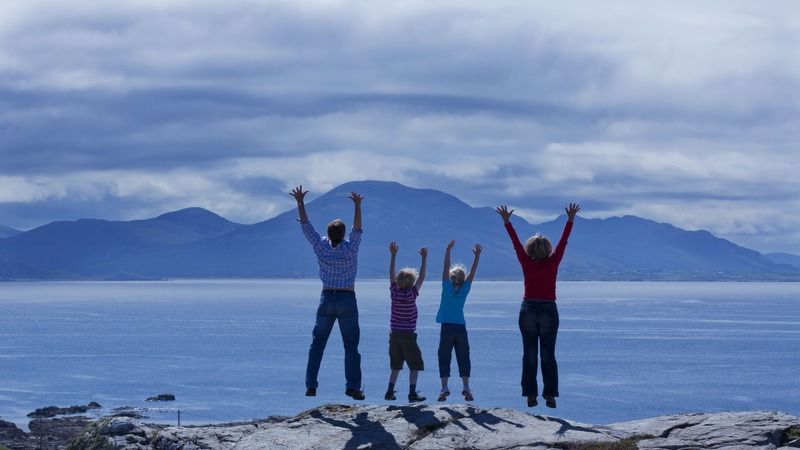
(337, 265)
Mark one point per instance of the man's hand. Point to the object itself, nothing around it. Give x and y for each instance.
(393, 248)
(504, 212)
(299, 194)
(423, 251)
(356, 197)
(477, 250)
(450, 245)
(572, 210)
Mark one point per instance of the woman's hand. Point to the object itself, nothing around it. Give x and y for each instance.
(393, 247)
(572, 210)
(423, 251)
(450, 245)
(477, 250)
(504, 212)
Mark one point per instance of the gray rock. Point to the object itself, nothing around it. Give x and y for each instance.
(448, 426)
(762, 429)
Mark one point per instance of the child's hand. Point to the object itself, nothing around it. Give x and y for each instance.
(393, 247)
(572, 210)
(450, 244)
(504, 212)
(423, 251)
(298, 193)
(477, 250)
(356, 197)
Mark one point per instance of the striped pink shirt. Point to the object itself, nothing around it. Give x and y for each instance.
(404, 308)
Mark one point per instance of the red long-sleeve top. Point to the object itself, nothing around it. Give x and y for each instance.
(540, 275)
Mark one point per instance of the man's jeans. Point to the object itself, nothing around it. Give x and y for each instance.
(335, 305)
(453, 336)
(538, 323)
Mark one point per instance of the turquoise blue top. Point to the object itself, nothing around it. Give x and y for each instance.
(451, 308)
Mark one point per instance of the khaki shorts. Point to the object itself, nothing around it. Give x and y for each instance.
(403, 347)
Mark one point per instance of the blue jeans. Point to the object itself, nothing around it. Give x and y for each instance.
(335, 305)
(538, 323)
(454, 335)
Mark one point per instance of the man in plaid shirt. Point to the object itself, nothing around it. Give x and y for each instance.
(338, 263)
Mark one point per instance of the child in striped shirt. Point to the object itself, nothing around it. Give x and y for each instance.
(404, 290)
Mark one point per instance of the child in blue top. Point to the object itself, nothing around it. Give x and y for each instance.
(455, 287)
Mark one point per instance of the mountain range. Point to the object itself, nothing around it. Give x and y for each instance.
(196, 243)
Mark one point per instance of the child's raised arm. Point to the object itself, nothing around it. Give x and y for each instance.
(423, 252)
(446, 271)
(393, 251)
(477, 252)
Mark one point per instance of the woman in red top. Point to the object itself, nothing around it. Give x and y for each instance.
(538, 315)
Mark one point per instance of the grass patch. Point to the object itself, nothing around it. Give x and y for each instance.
(90, 439)
(790, 434)
(624, 444)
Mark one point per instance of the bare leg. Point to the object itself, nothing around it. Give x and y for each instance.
(393, 376)
(412, 377)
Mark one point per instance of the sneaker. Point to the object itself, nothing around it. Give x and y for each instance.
(550, 401)
(390, 395)
(443, 395)
(467, 395)
(355, 394)
(311, 392)
(415, 397)
(532, 401)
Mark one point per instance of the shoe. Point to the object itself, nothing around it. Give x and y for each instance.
(415, 397)
(311, 392)
(550, 401)
(467, 395)
(443, 395)
(532, 401)
(355, 394)
(390, 395)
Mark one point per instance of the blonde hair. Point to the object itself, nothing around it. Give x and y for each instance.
(406, 277)
(538, 247)
(457, 276)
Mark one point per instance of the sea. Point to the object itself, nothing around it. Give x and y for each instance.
(234, 350)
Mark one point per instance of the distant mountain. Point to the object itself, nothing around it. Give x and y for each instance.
(96, 248)
(197, 243)
(7, 232)
(784, 258)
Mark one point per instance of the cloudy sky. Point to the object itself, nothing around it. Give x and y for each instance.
(682, 112)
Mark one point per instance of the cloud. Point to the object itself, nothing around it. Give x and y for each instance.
(131, 108)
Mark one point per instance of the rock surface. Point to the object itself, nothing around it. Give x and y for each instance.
(448, 427)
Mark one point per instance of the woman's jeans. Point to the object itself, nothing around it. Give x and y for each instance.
(335, 305)
(454, 335)
(538, 323)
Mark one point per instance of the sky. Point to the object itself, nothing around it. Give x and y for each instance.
(682, 112)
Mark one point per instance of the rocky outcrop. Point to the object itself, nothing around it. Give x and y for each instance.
(161, 398)
(52, 411)
(449, 427)
(48, 434)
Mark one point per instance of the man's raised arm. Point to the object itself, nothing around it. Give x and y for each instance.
(356, 198)
(299, 195)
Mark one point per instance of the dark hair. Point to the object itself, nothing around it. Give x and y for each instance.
(336, 230)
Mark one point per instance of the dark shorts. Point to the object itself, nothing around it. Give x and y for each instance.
(403, 347)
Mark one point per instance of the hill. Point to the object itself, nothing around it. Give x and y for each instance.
(198, 243)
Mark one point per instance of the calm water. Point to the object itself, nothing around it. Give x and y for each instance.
(234, 350)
